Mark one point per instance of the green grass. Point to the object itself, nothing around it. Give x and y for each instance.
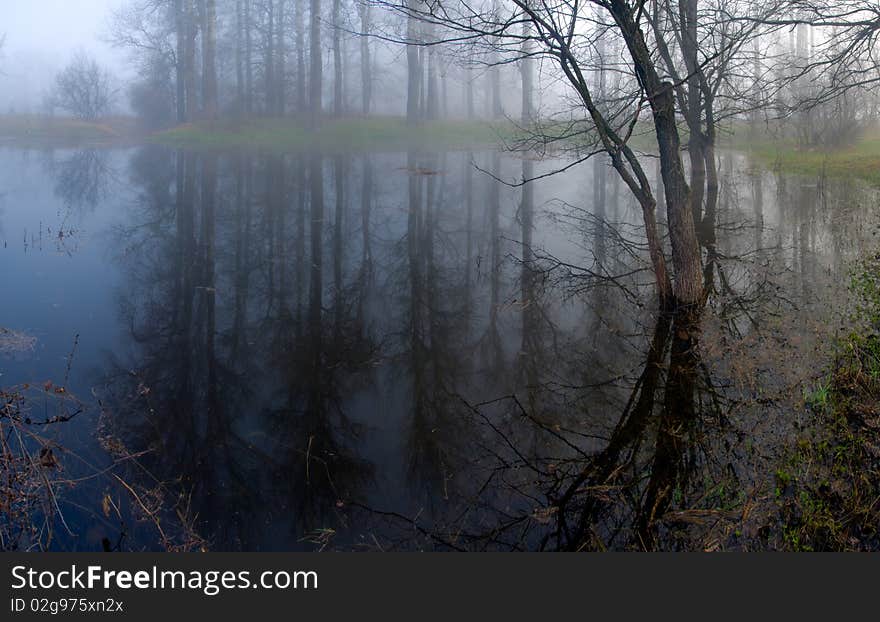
(35, 129)
(860, 159)
(290, 135)
(828, 486)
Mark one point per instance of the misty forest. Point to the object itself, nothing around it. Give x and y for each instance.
(503, 275)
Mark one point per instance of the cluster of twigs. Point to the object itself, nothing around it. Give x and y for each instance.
(34, 481)
(30, 480)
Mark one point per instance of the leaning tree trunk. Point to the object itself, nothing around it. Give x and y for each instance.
(682, 232)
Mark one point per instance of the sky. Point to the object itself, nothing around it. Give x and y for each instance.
(41, 35)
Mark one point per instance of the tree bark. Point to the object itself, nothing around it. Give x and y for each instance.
(179, 64)
(338, 77)
(190, 60)
(366, 62)
(528, 72)
(315, 74)
(239, 57)
(300, 43)
(682, 232)
(209, 58)
(281, 65)
(269, 59)
(413, 72)
(248, 60)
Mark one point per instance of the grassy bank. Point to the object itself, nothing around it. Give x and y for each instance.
(860, 159)
(828, 485)
(42, 130)
(290, 135)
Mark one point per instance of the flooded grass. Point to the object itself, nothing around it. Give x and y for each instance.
(860, 159)
(828, 486)
(40, 130)
(15, 342)
(375, 133)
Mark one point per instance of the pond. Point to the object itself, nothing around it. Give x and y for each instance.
(404, 350)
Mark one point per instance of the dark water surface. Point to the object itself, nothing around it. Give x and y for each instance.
(393, 350)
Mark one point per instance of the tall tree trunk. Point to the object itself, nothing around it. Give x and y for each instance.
(495, 78)
(281, 65)
(432, 99)
(239, 57)
(693, 111)
(180, 63)
(190, 60)
(338, 77)
(444, 90)
(209, 58)
(469, 88)
(682, 232)
(366, 61)
(269, 55)
(528, 72)
(315, 77)
(248, 60)
(300, 43)
(413, 71)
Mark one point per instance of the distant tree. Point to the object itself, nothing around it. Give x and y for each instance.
(152, 95)
(84, 88)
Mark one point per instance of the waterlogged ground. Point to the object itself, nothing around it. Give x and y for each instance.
(394, 350)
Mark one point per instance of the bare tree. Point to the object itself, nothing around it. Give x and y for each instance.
(84, 88)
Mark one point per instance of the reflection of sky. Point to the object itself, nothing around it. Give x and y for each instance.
(120, 259)
(53, 301)
(41, 36)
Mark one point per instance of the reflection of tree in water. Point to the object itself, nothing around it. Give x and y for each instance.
(433, 348)
(209, 290)
(298, 323)
(319, 467)
(81, 177)
(550, 474)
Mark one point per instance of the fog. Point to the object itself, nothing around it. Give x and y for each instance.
(434, 274)
(40, 39)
